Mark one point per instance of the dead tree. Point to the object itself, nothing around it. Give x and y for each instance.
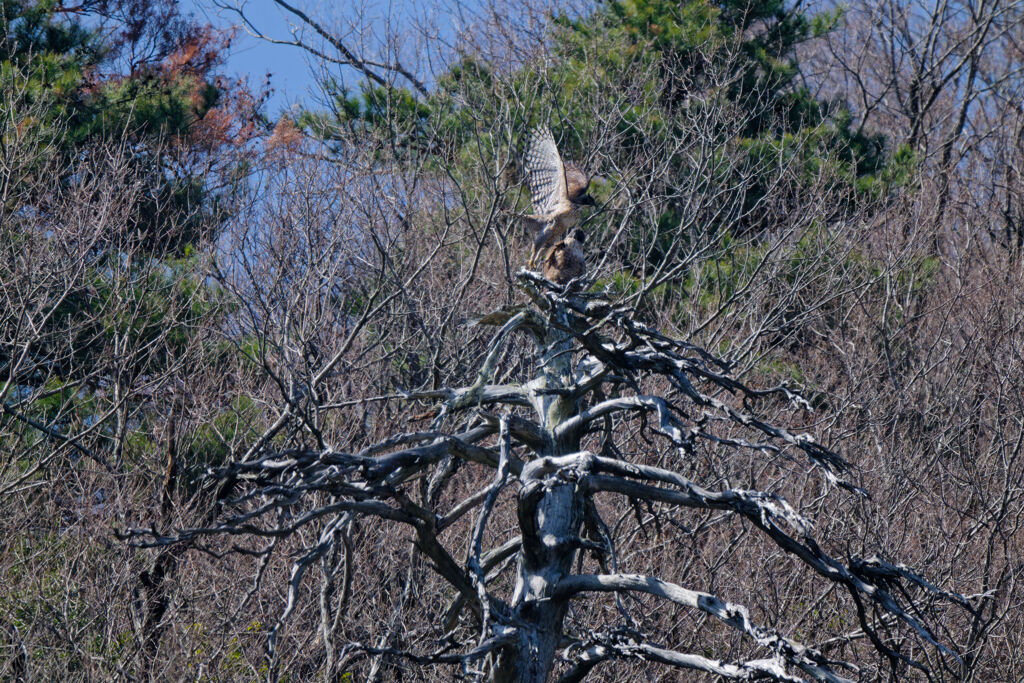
(594, 363)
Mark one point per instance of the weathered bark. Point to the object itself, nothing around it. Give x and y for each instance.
(550, 517)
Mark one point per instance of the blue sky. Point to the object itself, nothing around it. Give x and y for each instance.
(290, 77)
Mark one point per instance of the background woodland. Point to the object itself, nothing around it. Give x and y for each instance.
(827, 196)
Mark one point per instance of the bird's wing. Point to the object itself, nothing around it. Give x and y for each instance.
(545, 173)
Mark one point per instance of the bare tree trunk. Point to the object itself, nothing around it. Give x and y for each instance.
(550, 518)
(152, 593)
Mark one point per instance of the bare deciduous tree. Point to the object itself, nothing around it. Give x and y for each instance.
(596, 369)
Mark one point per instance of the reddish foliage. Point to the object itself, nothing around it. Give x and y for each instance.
(285, 138)
(152, 41)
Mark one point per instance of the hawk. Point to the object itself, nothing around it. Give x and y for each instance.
(565, 260)
(558, 191)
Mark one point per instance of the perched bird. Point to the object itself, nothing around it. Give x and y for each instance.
(558, 191)
(565, 260)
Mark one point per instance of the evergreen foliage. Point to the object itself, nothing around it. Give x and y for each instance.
(655, 68)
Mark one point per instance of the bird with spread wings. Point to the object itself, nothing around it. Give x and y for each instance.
(558, 191)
